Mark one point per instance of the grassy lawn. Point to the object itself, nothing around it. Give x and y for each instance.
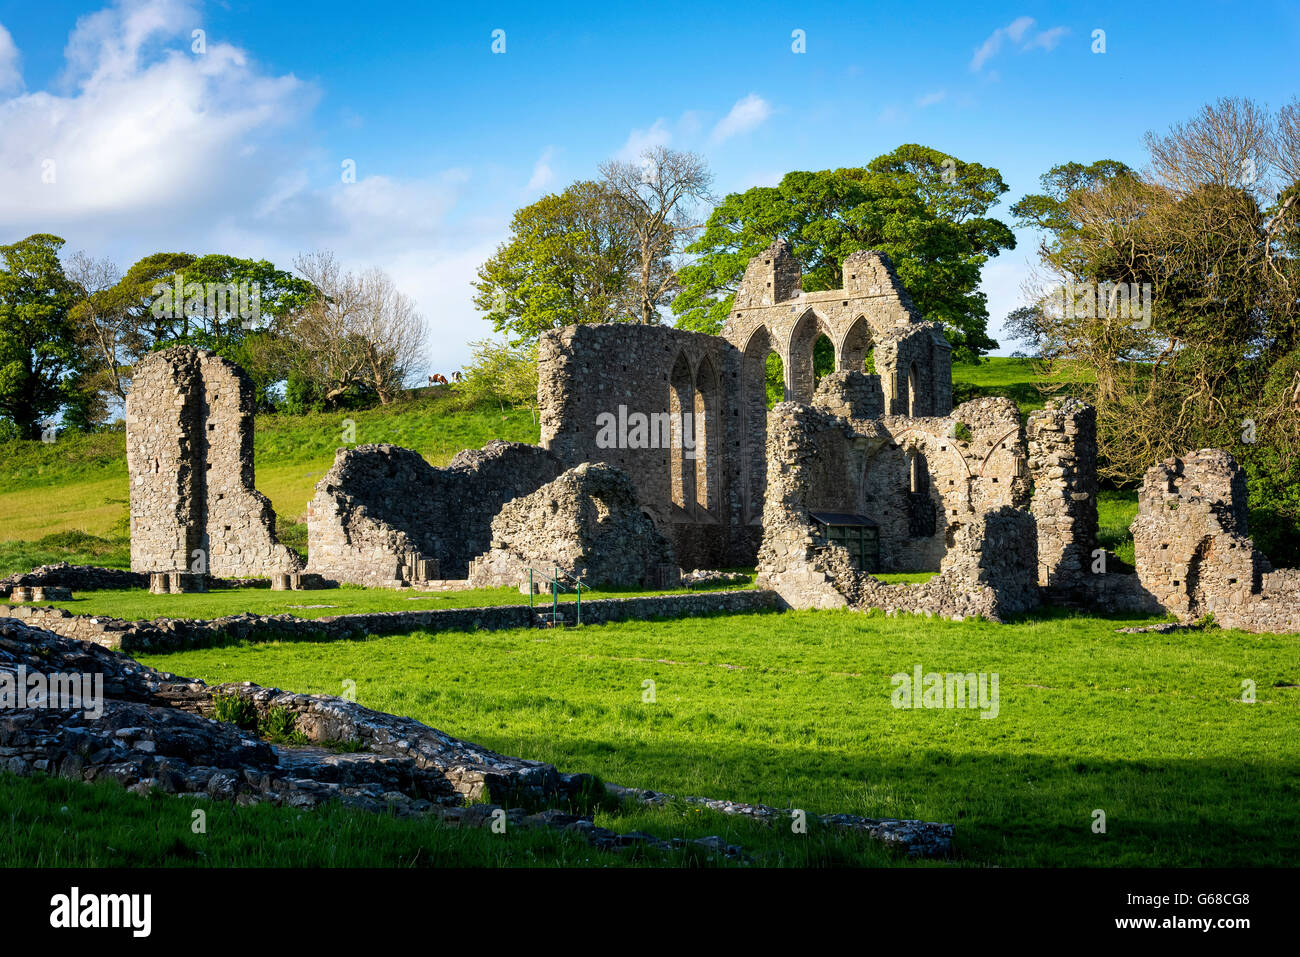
(1115, 513)
(55, 823)
(1017, 379)
(138, 604)
(795, 710)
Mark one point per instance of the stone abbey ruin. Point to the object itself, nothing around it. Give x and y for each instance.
(658, 452)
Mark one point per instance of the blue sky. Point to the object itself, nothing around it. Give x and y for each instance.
(239, 148)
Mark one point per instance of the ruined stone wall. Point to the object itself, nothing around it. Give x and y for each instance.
(597, 387)
(383, 516)
(961, 476)
(1063, 461)
(189, 444)
(1193, 551)
(872, 313)
(587, 522)
(989, 563)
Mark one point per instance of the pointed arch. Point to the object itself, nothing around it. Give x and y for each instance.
(681, 403)
(857, 351)
(707, 437)
(912, 400)
(800, 373)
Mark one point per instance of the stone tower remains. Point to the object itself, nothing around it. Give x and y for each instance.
(189, 450)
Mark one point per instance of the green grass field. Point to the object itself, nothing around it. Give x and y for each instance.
(138, 605)
(795, 710)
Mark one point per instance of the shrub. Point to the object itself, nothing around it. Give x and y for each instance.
(281, 726)
(232, 709)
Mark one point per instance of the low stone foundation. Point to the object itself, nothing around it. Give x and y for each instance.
(76, 577)
(167, 634)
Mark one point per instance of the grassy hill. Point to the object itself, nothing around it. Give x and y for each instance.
(67, 500)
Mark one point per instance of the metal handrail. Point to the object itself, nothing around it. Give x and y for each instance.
(556, 585)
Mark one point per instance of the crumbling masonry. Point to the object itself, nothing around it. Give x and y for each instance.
(189, 452)
(658, 451)
(383, 516)
(587, 522)
(1193, 551)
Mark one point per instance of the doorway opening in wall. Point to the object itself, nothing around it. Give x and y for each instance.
(920, 507)
(774, 380)
(823, 359)
(857, 534)
(859, 350)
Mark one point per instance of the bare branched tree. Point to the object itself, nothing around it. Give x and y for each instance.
(660, 196)
(358, 332)
(1228, 143)
(103, 321)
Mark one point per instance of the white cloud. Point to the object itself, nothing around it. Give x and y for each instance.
(157, 148)
(930, 99)
(747, 114)
(11, 77)
(542, 173)
(1048, 39)
(1018, 27)
(640, 140)
(173, 131)
(1018, 31)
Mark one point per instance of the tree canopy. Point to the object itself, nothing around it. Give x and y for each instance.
(39, 355)
(570, 260)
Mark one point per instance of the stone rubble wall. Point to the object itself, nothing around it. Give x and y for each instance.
(157, 730)
(1193, 551)
(587, 522)
(76, 577)
(383, 516)
(189, 448)
(850, 395)
(1063, 462)
(989, 565)
(167, 634)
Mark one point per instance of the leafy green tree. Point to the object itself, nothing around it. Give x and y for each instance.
(39, 355)
(570, 260)
(500, 372)
(233, 306)
(923, 208)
